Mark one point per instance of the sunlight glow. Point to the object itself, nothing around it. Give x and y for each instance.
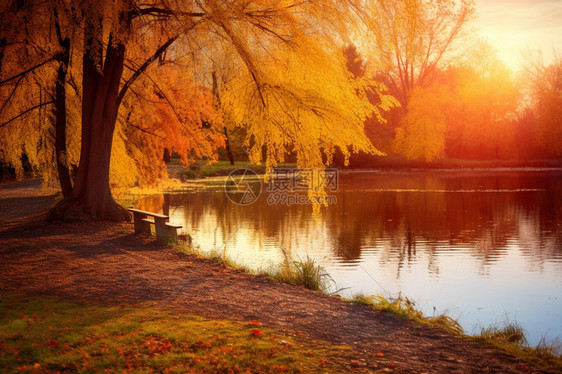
(515, 27)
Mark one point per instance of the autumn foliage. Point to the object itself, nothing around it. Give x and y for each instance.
(93, 93)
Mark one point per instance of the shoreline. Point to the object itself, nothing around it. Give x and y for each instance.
(105, 264)
(123, 234)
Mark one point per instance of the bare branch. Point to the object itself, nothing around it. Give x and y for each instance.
(143, 67)
(28, 70)
(144, 130)
(11, 94)
(27, 111)
(155, 11)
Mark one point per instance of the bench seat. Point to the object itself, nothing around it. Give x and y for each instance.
(164, 230)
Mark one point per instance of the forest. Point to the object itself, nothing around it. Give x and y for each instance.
(94, 93)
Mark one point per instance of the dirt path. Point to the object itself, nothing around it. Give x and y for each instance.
(107, 263)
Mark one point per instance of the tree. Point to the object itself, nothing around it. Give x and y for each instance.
(546, 97)
(28, 93)
(414, 39)
(421, 135)
(120, 41)
(481, 124)
(468, 112)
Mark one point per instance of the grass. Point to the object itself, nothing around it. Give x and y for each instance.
(224, 167)
(185, 245)
(306, 273)
(205, 168)
(49, 335)
(404, 308)
(508, 337)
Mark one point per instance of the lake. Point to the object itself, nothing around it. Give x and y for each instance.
(483, 246)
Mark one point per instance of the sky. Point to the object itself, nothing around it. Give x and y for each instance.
(515, 27)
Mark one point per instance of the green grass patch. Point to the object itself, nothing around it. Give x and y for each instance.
(206, 168)
(48, 335)
(307, 274)
(510, 337)
(404, 308)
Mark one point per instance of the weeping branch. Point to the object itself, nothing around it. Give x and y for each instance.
(143, 67)
(27, 111)
(11, 94)
(28, 70)
(144, 130)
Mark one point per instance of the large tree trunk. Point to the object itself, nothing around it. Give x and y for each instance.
(60, 120)
(2, 47)
(91, 196)
(101, 98)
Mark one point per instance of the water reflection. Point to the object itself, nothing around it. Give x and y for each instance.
(432, 235)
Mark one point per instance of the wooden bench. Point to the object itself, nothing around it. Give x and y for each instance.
(165, 230)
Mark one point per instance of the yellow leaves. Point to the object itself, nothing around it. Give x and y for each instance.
(312, 106)
(421, 135)
(284, 54)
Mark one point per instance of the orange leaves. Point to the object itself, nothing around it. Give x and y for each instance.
(201, 344)
(256, 332)
(177, 115)
(53, 343)
(280, 368)
(33, 368)
(156, 345)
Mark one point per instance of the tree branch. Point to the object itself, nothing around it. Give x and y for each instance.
(144, 130)
(143, 67)
(11, 94)
(57, 26)
(27, 111)
(28, 70)
(155, 11)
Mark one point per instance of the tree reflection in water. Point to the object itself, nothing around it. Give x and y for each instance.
(393, 220)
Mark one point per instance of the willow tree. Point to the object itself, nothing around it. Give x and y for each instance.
(415, 38)
(299, 92)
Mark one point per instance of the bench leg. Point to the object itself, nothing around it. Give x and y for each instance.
(161, 229)
(172, 234)
(141, 226)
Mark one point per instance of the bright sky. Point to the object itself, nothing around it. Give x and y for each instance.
(513, 27)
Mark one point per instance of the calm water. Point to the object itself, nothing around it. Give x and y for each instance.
(483, 246)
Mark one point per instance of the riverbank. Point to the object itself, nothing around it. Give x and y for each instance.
(107, 265)
(205, 169)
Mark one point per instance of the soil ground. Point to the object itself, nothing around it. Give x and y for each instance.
(107, 263)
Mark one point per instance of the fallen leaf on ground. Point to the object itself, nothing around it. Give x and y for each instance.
(256, 332)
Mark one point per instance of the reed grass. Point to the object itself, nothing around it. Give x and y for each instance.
(307, 274)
